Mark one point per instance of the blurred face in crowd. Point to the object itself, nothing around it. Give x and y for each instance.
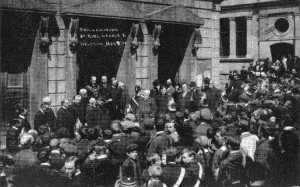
(146, 93)
(18, 123)
(169, 82)
(163, 91)
(193, 88)
(121, 86)
(114, 82)
(164, 159)
(70, 168)
(45, 107)
(220, 139)
(158, 162)
(184, 87)
(104, 79)
(133, 155)
(186, 158)
(171, 127)
(93, 80)
(67, 103)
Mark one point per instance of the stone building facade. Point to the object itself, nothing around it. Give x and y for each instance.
(48, 47)
(255, 30)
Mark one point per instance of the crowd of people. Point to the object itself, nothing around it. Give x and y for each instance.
(171, 135)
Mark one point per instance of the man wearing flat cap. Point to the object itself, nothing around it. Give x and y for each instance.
(131, 170)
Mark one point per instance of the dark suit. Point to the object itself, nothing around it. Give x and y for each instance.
(159, 143)
(184, 101)
(51, 119)
(162, 103)
(40, 118)
(26, 158)
(93, 116)
(13, 139)
(66, 119)
(147, 108)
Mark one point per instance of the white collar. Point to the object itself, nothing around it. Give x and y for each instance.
(223, 148)
(55, 151)
(42, 111)
(78, 173)
(21, 116)
(14, 127)
(102, 156)
(45, 164)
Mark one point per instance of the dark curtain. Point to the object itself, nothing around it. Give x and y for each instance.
(102, 42)
(17, 38)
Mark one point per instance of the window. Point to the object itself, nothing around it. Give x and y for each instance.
(224, 37)
(15, 80)
(241, 37)
(282, 25)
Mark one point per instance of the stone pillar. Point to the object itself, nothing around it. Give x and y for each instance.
(255, 35)
(232, 37)
(37, 77)
(144, 69)
(249, 37)
(297, 34)
(71, 65)
(57, 71)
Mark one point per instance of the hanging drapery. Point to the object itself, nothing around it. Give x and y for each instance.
(73, 35)
(156, 34)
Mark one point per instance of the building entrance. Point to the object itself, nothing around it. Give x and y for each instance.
(174, 41)
(102, 43)
(280, 49)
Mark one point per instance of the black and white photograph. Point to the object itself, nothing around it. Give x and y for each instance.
(150, 93)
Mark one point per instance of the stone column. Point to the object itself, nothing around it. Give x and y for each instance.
(57, 68)
(297, 34)
(249, 37)
(232, 37)
(255, 35)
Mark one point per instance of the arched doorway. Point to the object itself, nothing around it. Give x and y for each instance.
(280, 49)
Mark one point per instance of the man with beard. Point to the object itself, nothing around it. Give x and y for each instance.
(78, 109)
(50, 116)
(147, 106)
(65, 118)
(162, 100)
(155, 91)
(195, 97)
(170, 88)
(124, 101)
(40, 118)
(74, 176)
(104, 92)
(93, 88)
(183, 102)
(115, 94)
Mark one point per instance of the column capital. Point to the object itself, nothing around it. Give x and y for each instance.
(231, 18)
(297, 13)
(249, 17)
